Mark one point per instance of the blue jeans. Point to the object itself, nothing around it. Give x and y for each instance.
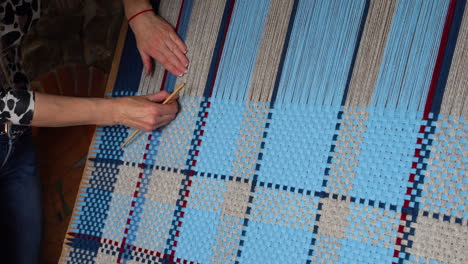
(20, 202)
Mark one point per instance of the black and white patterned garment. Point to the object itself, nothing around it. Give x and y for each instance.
(16, 98)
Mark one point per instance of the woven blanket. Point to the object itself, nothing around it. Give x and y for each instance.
(310, 131)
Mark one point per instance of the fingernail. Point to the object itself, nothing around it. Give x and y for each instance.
(186, 65)
(186, 71)
(180, 75)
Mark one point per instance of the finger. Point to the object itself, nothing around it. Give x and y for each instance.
(157, 97)
(165, 119)
(146, 62)
(169, 60)
(180, 56)
(155, 52)
(168, 109)
(173, 58)
(174, 70)
(173, 99)
(178, 41)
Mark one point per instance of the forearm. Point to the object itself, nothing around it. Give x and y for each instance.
(132, 7)
(56, 111)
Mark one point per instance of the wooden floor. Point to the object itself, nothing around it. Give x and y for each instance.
(60, 162)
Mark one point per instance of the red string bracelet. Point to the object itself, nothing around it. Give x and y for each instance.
(139, 13)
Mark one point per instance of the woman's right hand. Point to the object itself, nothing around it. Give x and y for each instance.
(145, 113)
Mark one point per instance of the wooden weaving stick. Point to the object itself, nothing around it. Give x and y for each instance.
(165, 102)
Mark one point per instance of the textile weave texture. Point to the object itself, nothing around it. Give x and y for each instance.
(310, 131)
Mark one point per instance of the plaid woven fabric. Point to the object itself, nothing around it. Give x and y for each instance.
(310, 131)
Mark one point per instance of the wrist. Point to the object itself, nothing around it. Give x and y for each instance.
(141, 13)
(104, 111)
(111, 106)
(132, 7)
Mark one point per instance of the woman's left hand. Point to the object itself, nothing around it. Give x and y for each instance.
(157, 39)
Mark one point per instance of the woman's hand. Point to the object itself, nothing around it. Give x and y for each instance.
(156, 39)
(140, 112)
(145, 113)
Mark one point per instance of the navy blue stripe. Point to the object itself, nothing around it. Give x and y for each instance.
(345, 93)
(425, 149)
(283, 55)
(112, 161)
(191, 157)
(155, 5)
(223, 28)
(292, 19)
(448, 56)
(88, 249)
(102, 181)
(358, 42)
(130, 67)
(415, 210)
(337, 129)
(301, 191)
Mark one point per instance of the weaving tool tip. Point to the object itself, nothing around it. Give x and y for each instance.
(136, 132)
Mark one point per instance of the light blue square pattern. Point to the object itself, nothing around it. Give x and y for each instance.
(271, 243)
(294, 155)
(352, 251)
(198, 235)
(220, 138)
(386, 157)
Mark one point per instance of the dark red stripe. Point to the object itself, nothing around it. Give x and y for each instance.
(440, 59)
(163, 81)
(180, 15)
(147, 147)
(427, 110)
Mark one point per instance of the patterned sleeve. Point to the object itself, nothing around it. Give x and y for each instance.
(17, 106)
(16, 98)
